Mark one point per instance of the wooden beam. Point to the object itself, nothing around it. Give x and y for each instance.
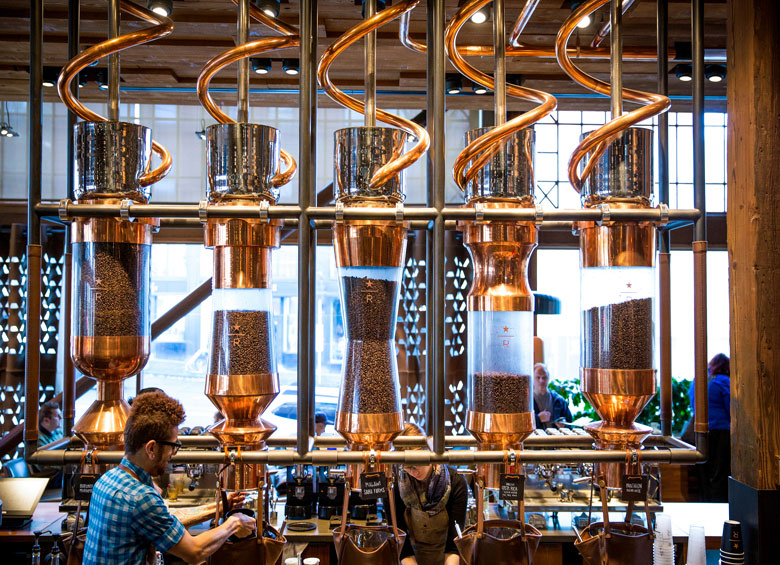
(753, 151)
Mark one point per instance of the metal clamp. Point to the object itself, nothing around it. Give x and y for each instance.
(339, 212)
(232, 455)
(664, 210)
(479, 212)
(203, 211)
(512, 458)
(62, 211)
(124, 209)
(372, 460)
(538, 216)
(399, 212)
(263, 211)
(606, 215)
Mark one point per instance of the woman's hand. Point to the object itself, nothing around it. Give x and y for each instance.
(409, 561)
(451, 559)
(236, 500)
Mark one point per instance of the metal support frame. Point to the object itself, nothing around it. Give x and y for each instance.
(306, 235)
(308, 218)
(664, 237)
(701, 421)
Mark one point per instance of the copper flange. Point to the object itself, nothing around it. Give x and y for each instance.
(369, 243)
(102, 425)
(242, 433)
(500, 251)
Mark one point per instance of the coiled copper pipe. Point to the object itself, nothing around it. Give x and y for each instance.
(290, 39)
(163, 27)
(484, 147)
(597, 141)
(365, 27)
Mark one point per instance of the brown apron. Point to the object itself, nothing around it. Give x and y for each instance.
(498, 542)
(368, 545)
(616, 543)
(262, 548)
(428, 535)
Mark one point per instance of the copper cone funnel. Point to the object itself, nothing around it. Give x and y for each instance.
(102, 425)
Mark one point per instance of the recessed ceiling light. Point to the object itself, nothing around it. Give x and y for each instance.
(291, 66)
(160, 7)
(260, 65)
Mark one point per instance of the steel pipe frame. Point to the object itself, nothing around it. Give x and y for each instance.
(285, 457)
(208, 441)
(331, 212)
(307, 217)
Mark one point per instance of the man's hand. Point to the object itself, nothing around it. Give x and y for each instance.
(244, 524)
(409, 561)
(236, 500)
(544, 416)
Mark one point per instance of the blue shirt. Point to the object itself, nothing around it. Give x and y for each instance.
(718, 402)
(125, 516)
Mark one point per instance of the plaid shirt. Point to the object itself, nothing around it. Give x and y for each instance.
(125, 516)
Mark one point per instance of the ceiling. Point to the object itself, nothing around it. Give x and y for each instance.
(166, 70)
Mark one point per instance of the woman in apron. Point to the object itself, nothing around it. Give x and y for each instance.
(429, 500)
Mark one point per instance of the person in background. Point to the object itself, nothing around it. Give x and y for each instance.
(714, 473)
(550, 407)
(144, 391)
(49, 423)
(320, 421)
(429, 500)
(127, 517)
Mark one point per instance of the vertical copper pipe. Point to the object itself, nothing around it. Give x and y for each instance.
(616, 58)
(243, 64)
(522, 21)
(32, 380)
(665, 295)
(370, 62)
(113, 62)
(499, 63)
(701, 423)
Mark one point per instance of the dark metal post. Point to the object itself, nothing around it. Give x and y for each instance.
(68, 377)
(32, 357)
(701, 426)
(664, 239)
(306, 248)
(434, 374)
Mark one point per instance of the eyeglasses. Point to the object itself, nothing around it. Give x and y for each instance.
(176, 445)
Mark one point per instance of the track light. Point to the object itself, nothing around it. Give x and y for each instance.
(50, 75)
(160, 7)
(478, 88)
(201, 133)
(4, 128)
(12, 133)
(453, 84)
(261, 66)
(584, 22)
(291, 66)
(270, 8)
(684, 72)
(715, 73)
(83, 79)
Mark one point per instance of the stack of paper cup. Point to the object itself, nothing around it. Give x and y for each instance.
(696, 548)
(663, 545)
(732, 551)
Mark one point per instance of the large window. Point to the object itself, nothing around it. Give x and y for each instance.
(558, 274)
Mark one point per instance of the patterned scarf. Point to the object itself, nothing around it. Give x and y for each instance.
(433, 497)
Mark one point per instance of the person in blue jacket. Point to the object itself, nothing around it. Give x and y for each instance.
(714, 473)
(550, 408)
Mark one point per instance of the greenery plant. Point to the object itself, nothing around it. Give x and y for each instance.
(650, 416)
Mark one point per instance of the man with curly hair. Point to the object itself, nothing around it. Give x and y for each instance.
(128, 519)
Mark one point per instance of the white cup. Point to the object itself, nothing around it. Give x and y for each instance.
(696, 548)
(311, 561)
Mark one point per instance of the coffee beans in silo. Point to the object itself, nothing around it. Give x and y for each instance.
(618, 336)
(370, 371)
(111, 298)
(371, 306)
(370, 378)
(501, 393)
(241, 343)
